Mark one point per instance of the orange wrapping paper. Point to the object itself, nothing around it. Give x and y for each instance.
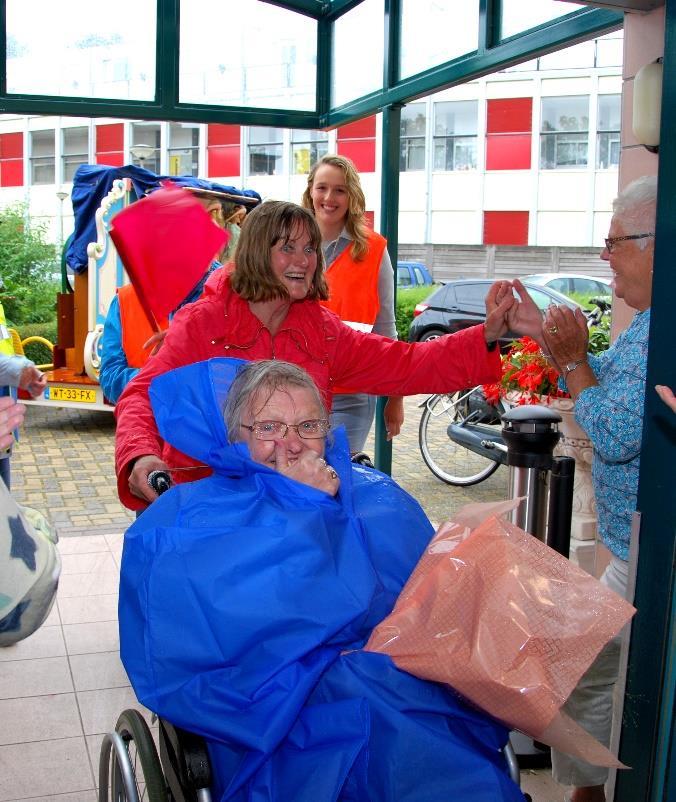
(507, 622)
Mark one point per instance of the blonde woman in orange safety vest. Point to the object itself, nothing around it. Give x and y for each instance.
(361, 282)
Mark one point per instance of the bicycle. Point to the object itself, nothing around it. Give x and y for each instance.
(445, 451)
(459, 434)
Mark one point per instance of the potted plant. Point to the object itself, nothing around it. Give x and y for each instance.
(527, 377)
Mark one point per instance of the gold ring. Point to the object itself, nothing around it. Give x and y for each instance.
(332, 472)
(553, 329)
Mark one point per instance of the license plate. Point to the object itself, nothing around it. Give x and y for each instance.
(55, 393)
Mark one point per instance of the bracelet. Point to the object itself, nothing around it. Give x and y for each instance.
(571, 366)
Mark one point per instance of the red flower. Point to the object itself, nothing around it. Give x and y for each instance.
(526, 371)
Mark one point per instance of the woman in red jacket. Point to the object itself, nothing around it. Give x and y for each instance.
(268, 308)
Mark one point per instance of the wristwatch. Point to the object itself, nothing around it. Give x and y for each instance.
(571, 366)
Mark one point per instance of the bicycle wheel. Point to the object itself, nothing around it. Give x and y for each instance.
(137, 773)
(449, 461)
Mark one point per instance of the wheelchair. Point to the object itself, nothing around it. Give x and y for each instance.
(131, 770)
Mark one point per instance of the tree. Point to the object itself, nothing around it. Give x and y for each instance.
(27, 261)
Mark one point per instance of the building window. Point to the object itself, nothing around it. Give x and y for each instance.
(455, 134)
(265, 151)
(147, 134)
(564, 136)
(608, 132)
(307, 148)
(42, 157)
(183, 149)
(75, 150)
(413, 129)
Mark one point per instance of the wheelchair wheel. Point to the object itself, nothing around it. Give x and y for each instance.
(449, 461)
(129, 768)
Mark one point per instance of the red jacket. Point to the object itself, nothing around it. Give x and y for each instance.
(221, 324)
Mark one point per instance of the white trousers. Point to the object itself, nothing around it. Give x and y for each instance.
(591, 703)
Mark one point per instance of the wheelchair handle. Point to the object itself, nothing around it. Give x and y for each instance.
(159, 481)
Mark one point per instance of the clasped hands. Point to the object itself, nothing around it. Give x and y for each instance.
(506, 312)
(561, 333)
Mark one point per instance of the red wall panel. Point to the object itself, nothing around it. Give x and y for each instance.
(11, 146)
(370, 218)
(357, 130)
(223, 161)
(361, 151)
(508, 151)
(218, 134)
(111, 159)
(505, 228)
(110, 138)
(11, 173)
(509, 115)
(11, 160)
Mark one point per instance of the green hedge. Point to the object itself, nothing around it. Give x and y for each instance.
(407, 298)
(38, 352)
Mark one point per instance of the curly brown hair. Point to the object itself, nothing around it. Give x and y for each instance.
(265, 226)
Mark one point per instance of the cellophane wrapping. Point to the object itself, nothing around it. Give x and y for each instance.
(508, 622)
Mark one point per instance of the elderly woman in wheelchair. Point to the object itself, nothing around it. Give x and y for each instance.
(246, 597)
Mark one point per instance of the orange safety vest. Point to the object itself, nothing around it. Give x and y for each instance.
(135, 327)
(353, 287)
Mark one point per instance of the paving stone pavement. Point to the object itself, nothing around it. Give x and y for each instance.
(63, 465)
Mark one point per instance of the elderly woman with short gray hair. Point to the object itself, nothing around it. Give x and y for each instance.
(608, 391)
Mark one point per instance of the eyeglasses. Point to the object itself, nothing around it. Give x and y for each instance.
(272, 429)
(610, 241)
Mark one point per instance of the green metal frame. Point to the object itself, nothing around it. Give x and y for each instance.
(491, 54)
(648, 737)
(648, 743)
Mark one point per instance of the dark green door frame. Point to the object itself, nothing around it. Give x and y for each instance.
(647, 743)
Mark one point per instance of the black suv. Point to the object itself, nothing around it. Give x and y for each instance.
(459, 304)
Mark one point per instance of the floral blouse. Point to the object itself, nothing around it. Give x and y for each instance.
(612, 415)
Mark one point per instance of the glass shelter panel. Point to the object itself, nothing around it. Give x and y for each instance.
(247, 54)
(71, 52)
(522, 15)
(358, 52)
(426, 37)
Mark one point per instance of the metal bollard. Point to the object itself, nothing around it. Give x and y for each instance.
(531, 434)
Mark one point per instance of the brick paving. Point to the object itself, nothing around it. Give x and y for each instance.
(63, 464)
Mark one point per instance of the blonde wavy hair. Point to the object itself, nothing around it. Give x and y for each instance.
(355, 222)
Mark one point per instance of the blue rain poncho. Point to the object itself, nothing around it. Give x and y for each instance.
(244, 601)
